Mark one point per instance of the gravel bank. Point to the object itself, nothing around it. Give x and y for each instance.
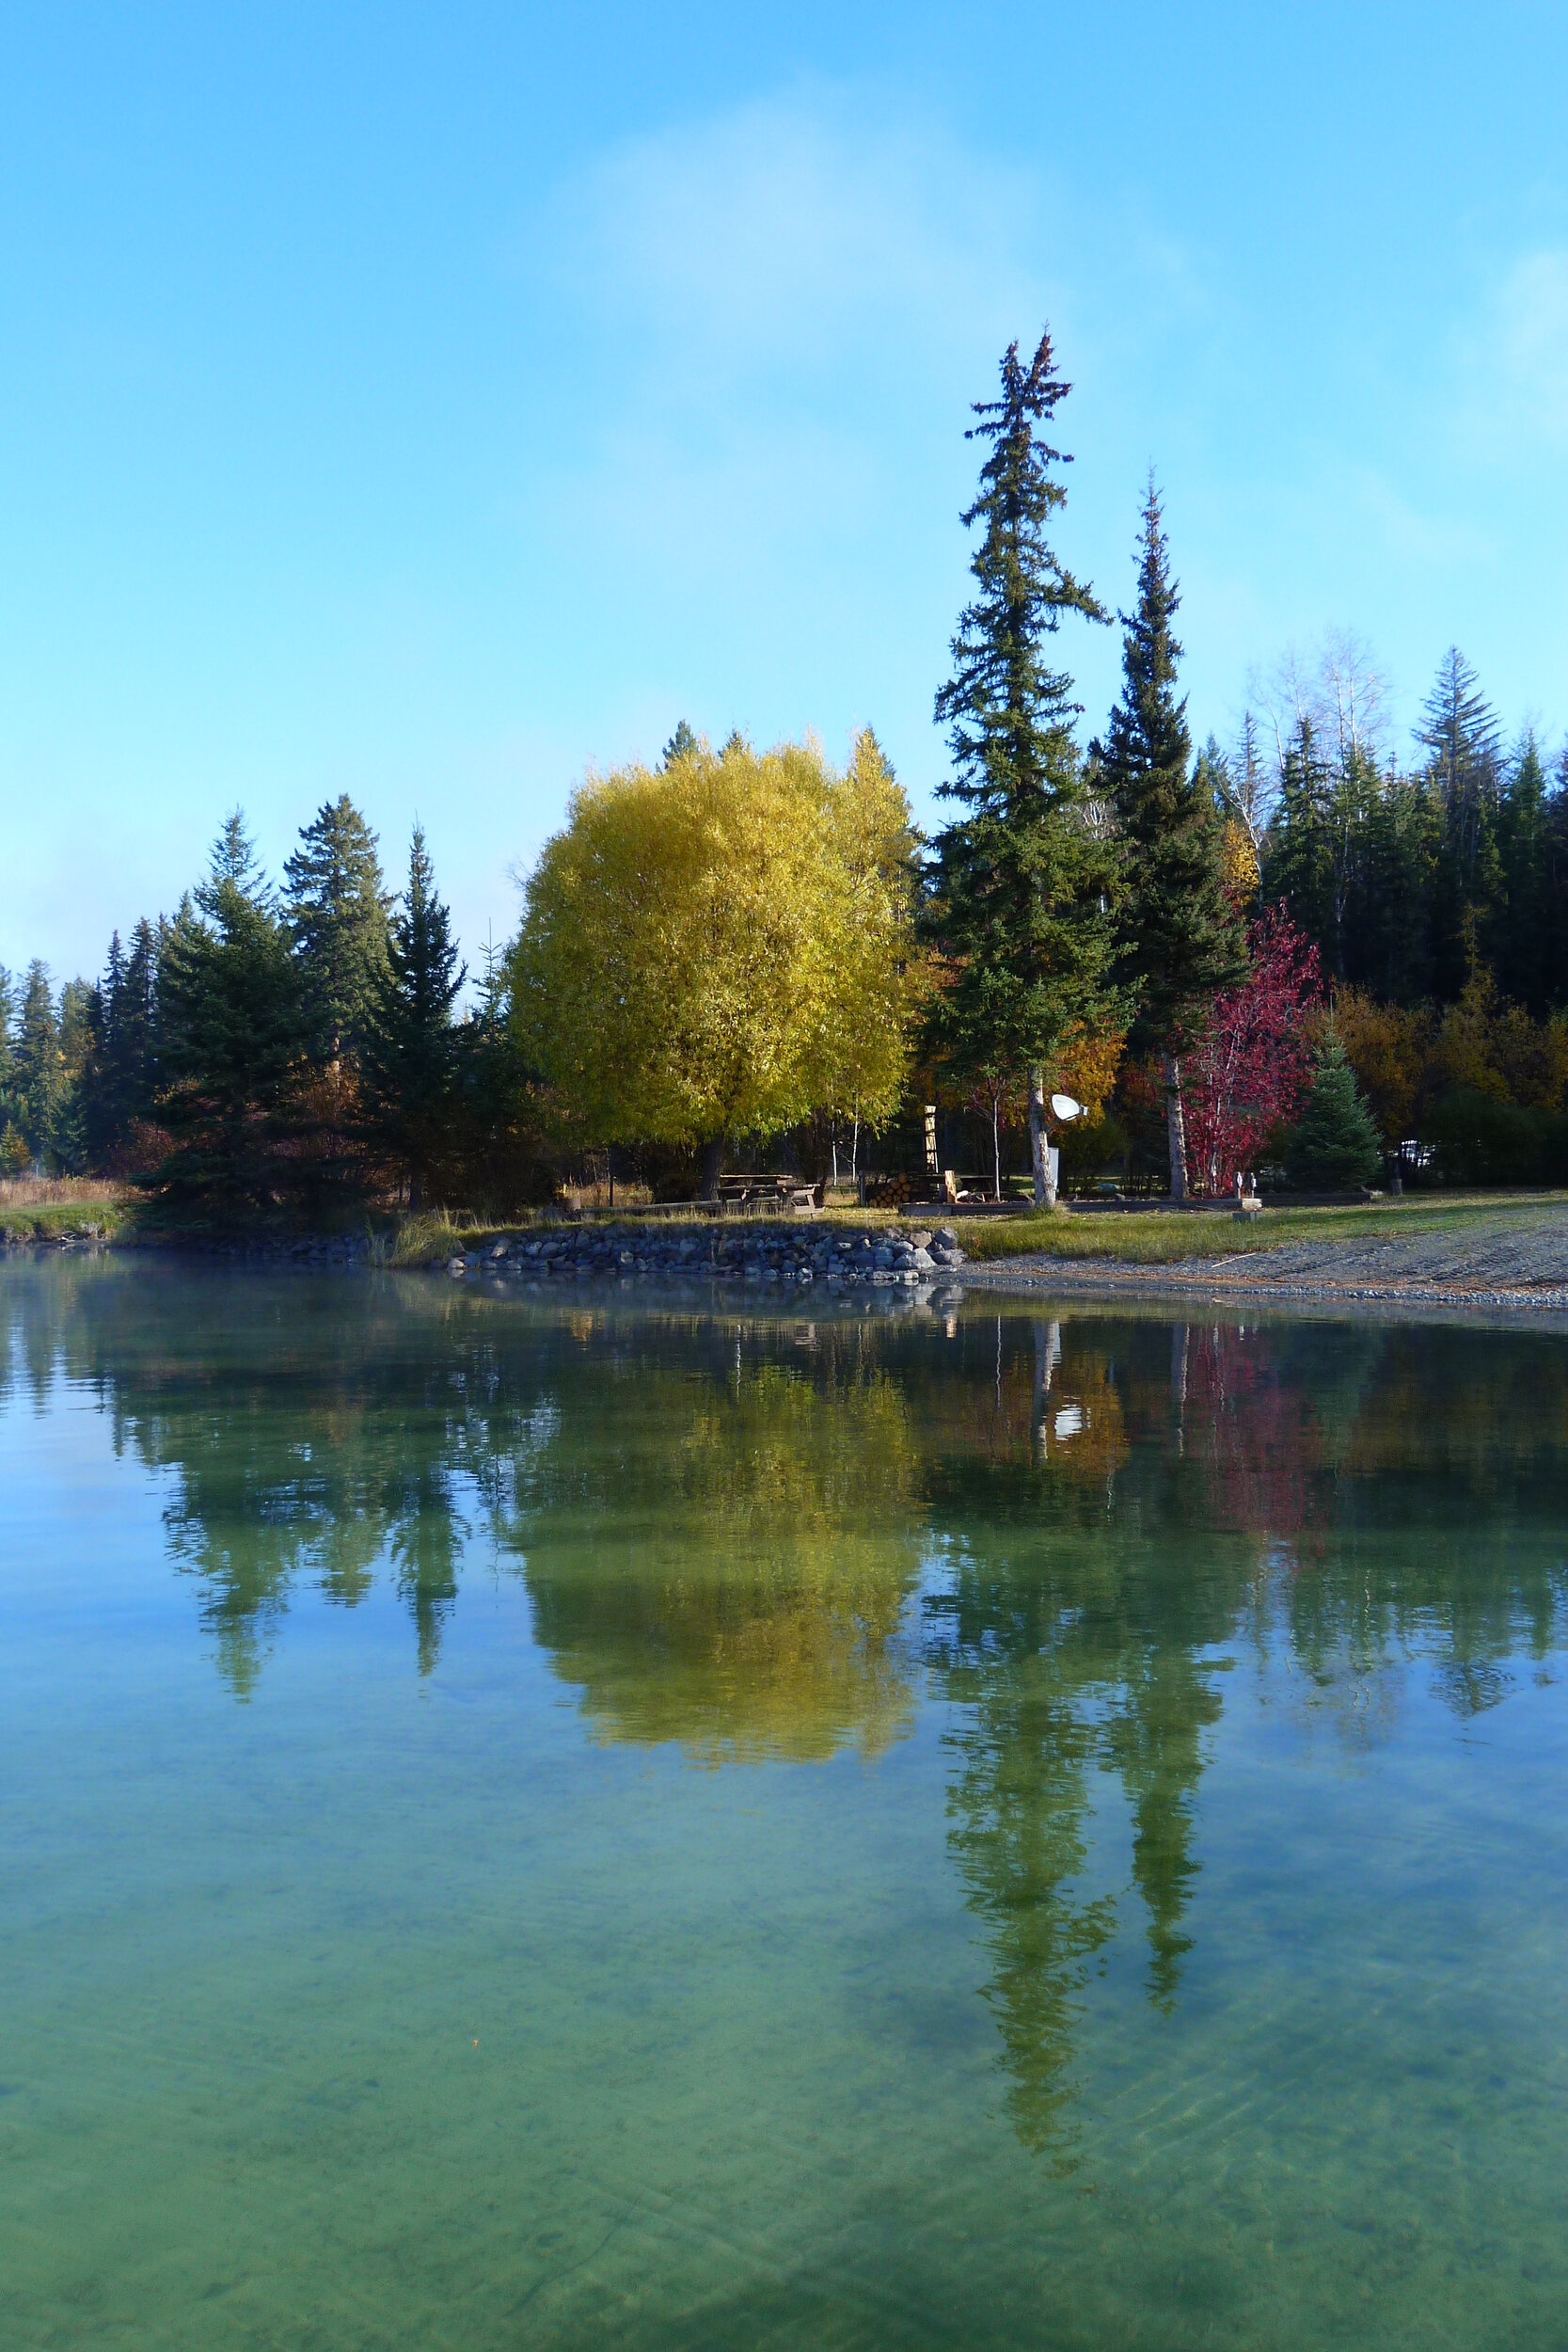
(1516, 1259)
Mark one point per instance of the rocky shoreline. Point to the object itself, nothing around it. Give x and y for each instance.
(790, 1255)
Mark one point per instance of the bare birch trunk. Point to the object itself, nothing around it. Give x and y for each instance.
(1039, 1150)
(1176, 1129)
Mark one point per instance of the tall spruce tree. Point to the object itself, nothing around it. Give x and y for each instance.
(232, 1035)
(117, 1079)
(12, 1147)
(1181, 937)
(1460, 732)
(680, 746)
(411, 1060)
(1021, 883)
(337, 909)
(39, 1079)
(68, 1139)
(1522, 935)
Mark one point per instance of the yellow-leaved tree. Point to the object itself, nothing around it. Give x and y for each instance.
(722, 947)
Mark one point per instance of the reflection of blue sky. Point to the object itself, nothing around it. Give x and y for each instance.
(430, 408)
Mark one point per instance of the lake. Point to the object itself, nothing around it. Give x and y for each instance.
(580, 1823)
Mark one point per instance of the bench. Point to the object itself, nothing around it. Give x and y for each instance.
(784, 1191)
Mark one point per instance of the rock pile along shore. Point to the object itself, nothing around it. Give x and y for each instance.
(773, 1253)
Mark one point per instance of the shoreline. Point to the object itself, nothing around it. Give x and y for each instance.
(1054, 1278)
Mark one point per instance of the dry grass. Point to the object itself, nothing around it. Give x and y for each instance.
(48, 1192)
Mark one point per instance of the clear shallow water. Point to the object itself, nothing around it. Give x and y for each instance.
(579, 1826)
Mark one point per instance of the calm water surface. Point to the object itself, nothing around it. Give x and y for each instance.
(532, 1825)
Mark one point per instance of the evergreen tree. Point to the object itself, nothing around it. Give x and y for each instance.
(1180, 936)
(412, 1054)
(37, 1085)
(1459, 730)
(1335, 1143)
(116, 1087)
(680, 746)
(1523, 937)
(337, 911)
(1021, 882)
(230, 1029)
(7, 1066)
(1301, 841)
(1389, 949)
(68, 1141)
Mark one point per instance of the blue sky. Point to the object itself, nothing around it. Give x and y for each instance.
(429, 403)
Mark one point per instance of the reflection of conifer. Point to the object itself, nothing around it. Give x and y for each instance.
(1155, 1743)
(424, 1549)
(1018, 1807)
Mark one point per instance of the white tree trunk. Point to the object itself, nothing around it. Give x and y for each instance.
(1176, 1129)
(1039, 1147)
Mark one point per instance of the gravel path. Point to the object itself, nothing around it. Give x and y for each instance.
(1516, 1259)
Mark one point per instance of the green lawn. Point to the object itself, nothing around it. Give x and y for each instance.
(87, 1213)
(1161, 1236)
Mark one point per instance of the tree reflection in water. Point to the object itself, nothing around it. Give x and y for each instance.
(728, 1568)
(721, 1523)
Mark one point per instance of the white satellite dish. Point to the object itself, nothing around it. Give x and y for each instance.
(1065, 1107)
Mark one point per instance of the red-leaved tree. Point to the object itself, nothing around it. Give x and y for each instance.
(1248, 1076)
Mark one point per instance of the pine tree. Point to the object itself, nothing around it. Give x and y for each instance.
(1524, 934)
(1021, 882)
(1391, 950)
(1335, 1143)
(337, 909)
(8, 1056)
(116, 1089)
(39, 1080)
(680, 746)
(68, 1139)
(1301, 841)
(230, 1029)
(1459, 730)
(411, 1058)
(1180, 936)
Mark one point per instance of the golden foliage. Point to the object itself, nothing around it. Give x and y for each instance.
(1405, 1059)
(1490, 1046)
(1237, 860)
(724, 946)
(1087, 1068)
(1386, 1047)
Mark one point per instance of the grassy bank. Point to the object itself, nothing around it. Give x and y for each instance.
(1166, 1237)
(59, 1208)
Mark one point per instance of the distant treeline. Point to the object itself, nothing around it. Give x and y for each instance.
(263, 1047)
(1414, 880)
(305, 1042)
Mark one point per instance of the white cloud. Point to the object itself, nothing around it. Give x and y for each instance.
(791, 237)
